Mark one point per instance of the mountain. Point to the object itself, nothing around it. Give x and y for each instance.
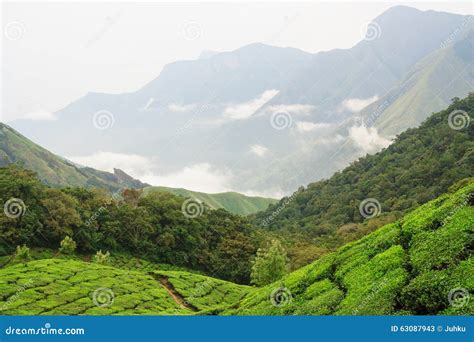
(421, 164)
(54, 170)
(233, 202)
(419, 265)
(273, 118)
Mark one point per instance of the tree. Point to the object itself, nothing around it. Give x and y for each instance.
(101, 258)
(22, 254)
(68, 245)
(269, 264)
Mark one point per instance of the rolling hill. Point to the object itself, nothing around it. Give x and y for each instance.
(231, 201)
(421, 264)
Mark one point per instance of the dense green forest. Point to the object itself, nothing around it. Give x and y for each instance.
(418, 166)
(155, 227)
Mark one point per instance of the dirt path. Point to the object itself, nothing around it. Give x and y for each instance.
(177, 297)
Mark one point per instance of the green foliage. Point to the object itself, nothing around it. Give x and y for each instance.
(151, 227)
(412, 266)
(421, 164)
(101, 258)
(68, 245)
(22, 254)
(269, 264)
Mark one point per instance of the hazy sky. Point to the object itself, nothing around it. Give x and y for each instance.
(54, 53)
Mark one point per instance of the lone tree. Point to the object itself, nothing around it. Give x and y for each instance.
(68, 245)
(22, 254)
(269, 264)
(101, 258)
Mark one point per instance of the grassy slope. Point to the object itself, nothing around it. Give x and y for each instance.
(52, 169)
(231, 201)
(428, 88)
(407, 267)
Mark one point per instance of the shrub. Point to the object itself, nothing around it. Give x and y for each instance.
(68, 245)
(22, 254)
(101, 258)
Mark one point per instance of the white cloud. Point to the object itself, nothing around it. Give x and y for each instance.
(356, 105)
(258, 150)
(307, 126)
(329, 140)
(245, 110)
(198, 177)
(177, 108)
(40, 115)
(133, 164)
(293, 109)
(367, 138)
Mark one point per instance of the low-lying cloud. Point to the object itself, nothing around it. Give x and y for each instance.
(40, 115)
(356, 105)
(307, 126)
(258, 150)
(367, 138)
(245, 110)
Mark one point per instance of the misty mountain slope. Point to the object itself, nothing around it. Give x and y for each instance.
(255, 115)
(54, 170)
(428, 87)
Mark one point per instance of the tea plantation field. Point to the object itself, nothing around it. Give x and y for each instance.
(70, 287)
(422, 264)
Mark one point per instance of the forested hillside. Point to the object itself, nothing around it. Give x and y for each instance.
(160, 226)
(420, 165)
(54, 170)
(421, 265)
